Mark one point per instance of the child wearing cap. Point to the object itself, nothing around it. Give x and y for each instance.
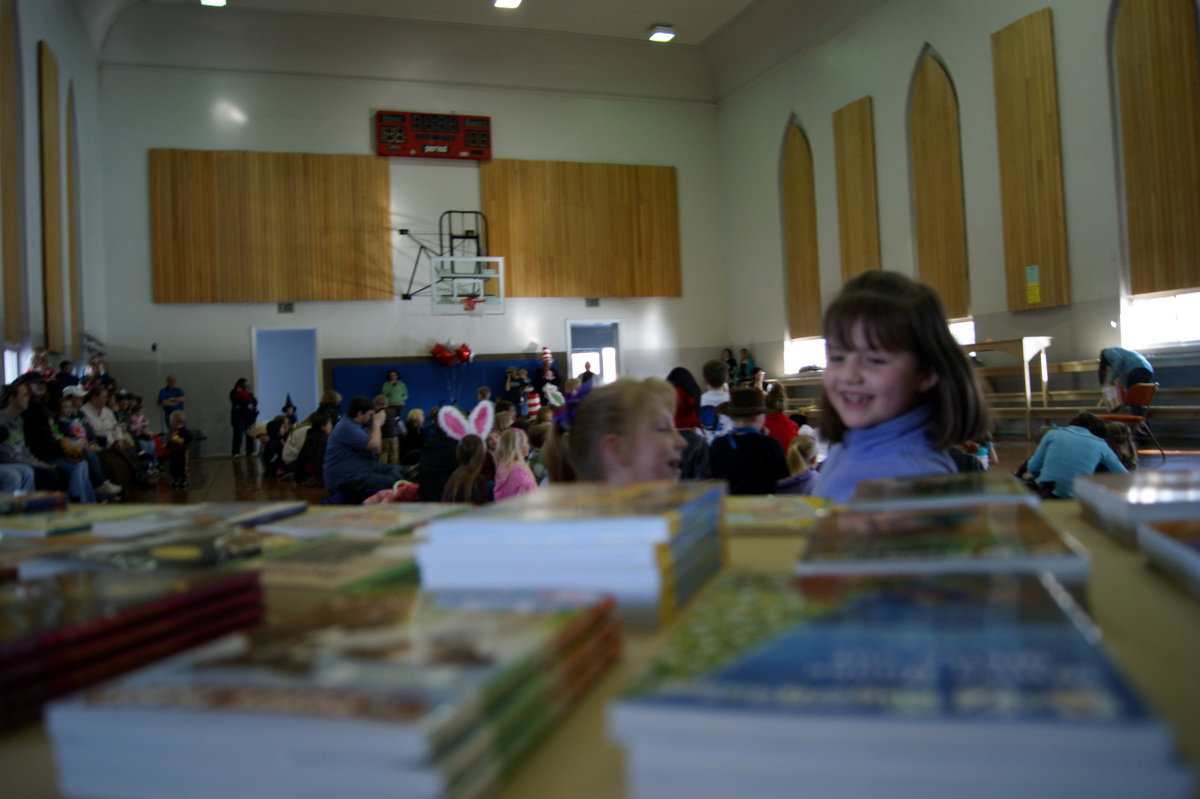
(750, 461)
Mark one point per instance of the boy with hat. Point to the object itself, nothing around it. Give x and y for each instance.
(750, 461)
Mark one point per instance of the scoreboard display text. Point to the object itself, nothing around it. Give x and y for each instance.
(404, 133)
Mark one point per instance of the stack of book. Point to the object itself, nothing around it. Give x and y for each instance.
(941, 490)
(350, 564)
(962, 538)
(385, 519)
(31, 502)
(122, 521)
(181, 548)
(1174, 548)
(399, 696)
(1118, 503)
(771, 514)
(652, 545)
(980, 685)
(75, 629)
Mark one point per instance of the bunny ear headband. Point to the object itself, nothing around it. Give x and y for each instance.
(457, 426)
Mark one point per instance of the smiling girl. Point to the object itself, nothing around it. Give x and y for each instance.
(898, 389)
(620, 433)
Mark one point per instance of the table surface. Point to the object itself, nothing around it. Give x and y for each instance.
(1151, 626)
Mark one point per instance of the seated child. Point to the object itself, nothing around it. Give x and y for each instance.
(748, 459)
(179, 440)
(467, 483)
(802, 463)
(513, 475)
(620, 433)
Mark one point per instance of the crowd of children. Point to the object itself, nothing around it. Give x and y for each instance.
(900, 398)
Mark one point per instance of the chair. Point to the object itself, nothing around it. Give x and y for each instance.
(1137, 395)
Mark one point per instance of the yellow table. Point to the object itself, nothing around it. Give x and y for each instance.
(1150, 625)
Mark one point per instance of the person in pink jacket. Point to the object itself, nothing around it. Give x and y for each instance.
(513, 475)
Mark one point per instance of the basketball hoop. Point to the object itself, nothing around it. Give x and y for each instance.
(469, 303)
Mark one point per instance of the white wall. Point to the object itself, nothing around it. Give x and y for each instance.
(55, 23)
(155, 97)
(876, 57)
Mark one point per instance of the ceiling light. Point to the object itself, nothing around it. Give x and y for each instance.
(212, 2)
(507, 3)
(661, 33)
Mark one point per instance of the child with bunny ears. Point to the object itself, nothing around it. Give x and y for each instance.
(467, 483)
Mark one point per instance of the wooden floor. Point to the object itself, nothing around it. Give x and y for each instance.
(225, 479)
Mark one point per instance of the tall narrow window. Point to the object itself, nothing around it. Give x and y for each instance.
(937, 184)
(1158, 85)
(797, 190)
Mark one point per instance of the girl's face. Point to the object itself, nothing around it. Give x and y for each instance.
(868, 387)
(650, 452)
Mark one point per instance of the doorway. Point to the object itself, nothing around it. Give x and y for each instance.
(285, 364)
(593, 345)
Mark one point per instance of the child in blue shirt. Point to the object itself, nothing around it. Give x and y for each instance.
(897, 391)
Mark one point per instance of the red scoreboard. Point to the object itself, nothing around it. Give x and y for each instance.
(414, 135)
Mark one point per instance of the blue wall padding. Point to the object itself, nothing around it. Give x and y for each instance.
(430, 384)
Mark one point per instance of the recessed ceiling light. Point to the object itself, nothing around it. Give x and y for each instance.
(661, 33)
(507, 3)
(217, 3)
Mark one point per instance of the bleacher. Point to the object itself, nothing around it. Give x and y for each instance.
(1071, 387)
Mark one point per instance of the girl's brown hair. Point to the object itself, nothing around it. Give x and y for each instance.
(899, 314)
(573, 452)
(466, 484)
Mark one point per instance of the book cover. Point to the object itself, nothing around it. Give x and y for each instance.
(1174, 547)
(32, 502)
(39, 525)
(394, 518)
(840, 682)
(940, 490)
(410, 665)
(340, 563)
(189, 546)
(243, 513)
(976, 538)
(41, 615)
(1118, 503)
(780, 514)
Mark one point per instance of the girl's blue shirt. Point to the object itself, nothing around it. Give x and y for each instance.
(899, 447)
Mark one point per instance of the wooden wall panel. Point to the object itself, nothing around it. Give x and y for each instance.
(15, 320)
(53, 286)
(1030, 151)
(583, 230)
(269, 227)
(74, 265)
(1158, 73)
(938, 210)
(858, 204)
(802, 277)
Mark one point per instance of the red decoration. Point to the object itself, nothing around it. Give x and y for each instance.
(469, 303)
(443, 356)
(463, 352)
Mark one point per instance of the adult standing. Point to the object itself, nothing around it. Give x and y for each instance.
(352, 453)
(170, 398)
(397, 395)
(242, 413)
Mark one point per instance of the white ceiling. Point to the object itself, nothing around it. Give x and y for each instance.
(694, 20)
(738, 39)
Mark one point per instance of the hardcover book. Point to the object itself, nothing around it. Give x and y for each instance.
(397, 696)
(392, 518)
(960, 538)
(894, 685)
(779, 514)
(940, 490)
(1174, 547)
(190, 546)
(340, 563)
(1118, 503)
